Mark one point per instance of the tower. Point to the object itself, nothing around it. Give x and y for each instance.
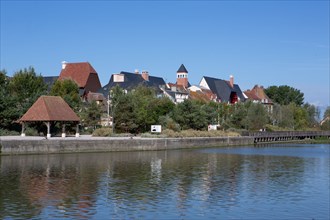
(182, 76)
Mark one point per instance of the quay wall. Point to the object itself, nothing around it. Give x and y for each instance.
(70, 145)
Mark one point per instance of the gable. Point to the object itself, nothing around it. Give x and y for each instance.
(78, 72)
(204, 84)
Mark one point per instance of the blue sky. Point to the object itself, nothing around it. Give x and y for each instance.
(259, 42)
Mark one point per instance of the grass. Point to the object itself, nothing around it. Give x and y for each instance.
(190, 133)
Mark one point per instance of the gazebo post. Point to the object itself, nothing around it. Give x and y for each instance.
(63, 130)
(48, 129)
(23, 130)
(77, 130)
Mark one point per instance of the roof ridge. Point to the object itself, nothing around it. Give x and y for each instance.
(46, 106)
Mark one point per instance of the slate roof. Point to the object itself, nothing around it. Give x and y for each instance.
(80, 73)
(182, 69)
(132, 80)
(223, 89)
(50, 108)
(49, 81)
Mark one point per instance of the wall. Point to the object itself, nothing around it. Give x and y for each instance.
(58, 145)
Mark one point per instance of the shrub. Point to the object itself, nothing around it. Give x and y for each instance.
(31, 131)
(195, 133)
(5, 132)
(153, 135)
(102, 132)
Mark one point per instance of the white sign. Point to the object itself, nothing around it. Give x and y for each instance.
(156, 128)
(212, 127)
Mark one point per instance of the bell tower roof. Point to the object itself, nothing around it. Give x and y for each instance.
(182, 69)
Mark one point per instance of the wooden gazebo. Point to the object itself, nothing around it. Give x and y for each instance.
(49, 109)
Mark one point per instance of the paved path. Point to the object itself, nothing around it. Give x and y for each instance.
(81, 137)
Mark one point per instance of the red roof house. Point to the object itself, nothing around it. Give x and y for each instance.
(257, 94)
(83, 74)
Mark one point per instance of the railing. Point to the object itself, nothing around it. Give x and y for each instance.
(285, 135)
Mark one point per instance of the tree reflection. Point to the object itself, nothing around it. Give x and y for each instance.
(124, 183)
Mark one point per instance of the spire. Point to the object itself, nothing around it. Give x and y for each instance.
(182, 69)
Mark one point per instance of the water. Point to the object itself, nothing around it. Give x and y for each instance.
(267, 182)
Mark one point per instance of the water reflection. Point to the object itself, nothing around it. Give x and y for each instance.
(170, 184)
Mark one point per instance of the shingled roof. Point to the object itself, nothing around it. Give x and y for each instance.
(81, 73)
(50, 108)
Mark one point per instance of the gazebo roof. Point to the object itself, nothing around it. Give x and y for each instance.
(50, 108)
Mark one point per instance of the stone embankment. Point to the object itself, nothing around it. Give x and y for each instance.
(41, 145)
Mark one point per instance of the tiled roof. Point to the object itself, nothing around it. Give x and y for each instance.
(251, 95)
(199, 95)
(182, 69)
(257, 93)
(94, 96)
(50, 108)
(79, 72)
(209, 94)
(179, 88)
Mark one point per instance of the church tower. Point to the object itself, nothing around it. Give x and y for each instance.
(182, 76)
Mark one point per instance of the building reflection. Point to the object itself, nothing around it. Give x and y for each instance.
(75, 184)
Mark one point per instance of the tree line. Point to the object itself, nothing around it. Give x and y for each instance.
(136, 110)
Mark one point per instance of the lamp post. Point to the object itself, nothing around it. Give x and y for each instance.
(108, 111)
(113, 106)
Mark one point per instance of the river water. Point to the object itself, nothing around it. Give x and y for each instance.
(288, 181)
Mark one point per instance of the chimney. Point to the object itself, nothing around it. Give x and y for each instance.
(231, 81)
(64, 63)
(136, 71)
(145, 75)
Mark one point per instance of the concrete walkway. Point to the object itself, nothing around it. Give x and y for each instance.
(81, 137)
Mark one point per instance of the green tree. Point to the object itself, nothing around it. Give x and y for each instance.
(284, 95)
(276, 115)
(8, 112)
(143, 99)
(325, 123)
(287, 116)
(256, 116)
(69, 91)
(137, 110)
(190, 115)
(224, 111)
(91, 115)
(26, 87)
(300, 116)
(238, 115)
(121, 110)
(326, 113)
(168, 123)
(313, 115)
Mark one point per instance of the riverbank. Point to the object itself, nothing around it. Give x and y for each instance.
(11, 145)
